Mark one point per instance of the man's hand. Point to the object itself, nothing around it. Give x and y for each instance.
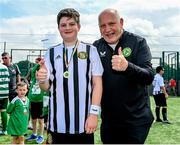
(119, 62)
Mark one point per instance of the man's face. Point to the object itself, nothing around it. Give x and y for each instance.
(110, 27)
(68, 29)
(6, 59)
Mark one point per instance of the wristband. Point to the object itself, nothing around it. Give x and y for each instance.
(94, 109)
(43, 81)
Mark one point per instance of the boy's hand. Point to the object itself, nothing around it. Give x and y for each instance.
(42, 73)
(91, 123)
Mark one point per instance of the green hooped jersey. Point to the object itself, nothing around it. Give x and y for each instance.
(35, 93)
(4, 81)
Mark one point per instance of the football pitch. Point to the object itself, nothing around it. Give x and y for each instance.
(160, 133)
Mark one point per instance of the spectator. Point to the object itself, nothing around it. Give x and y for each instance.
(167, 86)
(160, 95)
(35, 96)
(14, 74)
(172, 84)
(4, 92)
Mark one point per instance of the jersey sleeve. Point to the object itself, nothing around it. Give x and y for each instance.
(10, 108)
(161, 82)
(97, 68)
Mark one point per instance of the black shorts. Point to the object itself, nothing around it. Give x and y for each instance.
(62, 138)
(3, 103)
(36, 110)
(160, 99)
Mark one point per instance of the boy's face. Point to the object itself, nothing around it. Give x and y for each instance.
(162, 72)
(21, 91)
(68, 29)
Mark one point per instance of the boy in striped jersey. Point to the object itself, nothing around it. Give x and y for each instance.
(72, 71)
(4, 92)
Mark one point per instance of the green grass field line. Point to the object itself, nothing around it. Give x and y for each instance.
(159, 133)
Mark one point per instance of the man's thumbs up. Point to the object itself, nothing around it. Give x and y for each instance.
(119, 63)
(120, 51)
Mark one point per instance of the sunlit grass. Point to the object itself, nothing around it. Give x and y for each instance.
(159, 133)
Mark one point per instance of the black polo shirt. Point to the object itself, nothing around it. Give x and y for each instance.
(13, 73)
(125, 99)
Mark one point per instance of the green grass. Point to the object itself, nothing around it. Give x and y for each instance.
(159, 133)
(166, 133)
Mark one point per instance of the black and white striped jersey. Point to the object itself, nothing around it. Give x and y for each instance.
(70, 97)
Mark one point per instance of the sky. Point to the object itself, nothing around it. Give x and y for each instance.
(31, 24)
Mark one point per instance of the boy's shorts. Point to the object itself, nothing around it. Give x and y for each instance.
(37, 110)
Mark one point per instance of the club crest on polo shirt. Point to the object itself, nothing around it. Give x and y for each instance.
(126, 51)
(82, 55)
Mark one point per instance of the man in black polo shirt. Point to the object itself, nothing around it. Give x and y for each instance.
(126, 58)
(14, 74)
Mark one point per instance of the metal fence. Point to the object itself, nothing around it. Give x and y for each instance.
(170, 60)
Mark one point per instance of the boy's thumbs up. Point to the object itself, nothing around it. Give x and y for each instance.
(42, 73)
(42, 64)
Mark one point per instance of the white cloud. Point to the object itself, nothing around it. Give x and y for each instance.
(147, 5)
(152, 19)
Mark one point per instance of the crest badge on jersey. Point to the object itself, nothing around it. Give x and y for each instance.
(82, 55)
(126, 51)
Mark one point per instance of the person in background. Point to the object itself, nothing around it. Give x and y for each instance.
(160, 95)
(14, 74)
(167, 86)
(35, 96)
(28, 76)
(19, 114)
(4, 93)
(72, 72)
(172, 85)
(126, 58)
(29, 80)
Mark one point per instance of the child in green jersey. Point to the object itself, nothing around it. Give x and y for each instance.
(19, 114)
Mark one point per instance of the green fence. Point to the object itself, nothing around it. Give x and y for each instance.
(170, 62)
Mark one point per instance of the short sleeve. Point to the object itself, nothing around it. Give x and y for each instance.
(161, 82)
(97, 68)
